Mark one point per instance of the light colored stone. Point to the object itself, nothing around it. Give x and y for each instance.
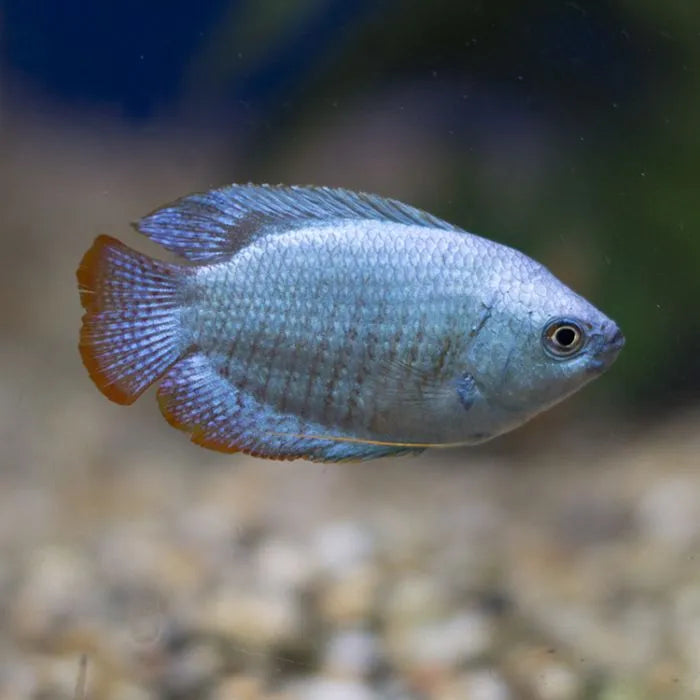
(258, 619)
(350, 599)
(555, 681)
(332, 689)
(283, 566)
(19, 676)
(669, 512)
(351, 653)
(238, 688)
(481, 684)
(445, 643)
(413, 600)
(342, 546)
(145, 554)
(57, 586)
(58, 674)
(125, 690)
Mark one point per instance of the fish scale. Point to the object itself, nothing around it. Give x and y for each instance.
(332, 325)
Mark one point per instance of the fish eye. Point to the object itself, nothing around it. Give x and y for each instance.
(562, 338)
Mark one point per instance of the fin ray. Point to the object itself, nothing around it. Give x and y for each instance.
(216, 224)
(195, 398)
(129, 335)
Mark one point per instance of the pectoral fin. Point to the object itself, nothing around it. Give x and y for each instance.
(467, 390)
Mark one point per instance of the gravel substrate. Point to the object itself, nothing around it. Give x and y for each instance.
(187, 575)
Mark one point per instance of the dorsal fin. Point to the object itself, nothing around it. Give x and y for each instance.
(207, 226)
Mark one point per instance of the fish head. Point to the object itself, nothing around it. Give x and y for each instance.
(541, 343)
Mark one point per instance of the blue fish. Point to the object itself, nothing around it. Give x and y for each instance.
(331, 325)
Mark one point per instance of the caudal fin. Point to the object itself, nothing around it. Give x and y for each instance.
(130, 332)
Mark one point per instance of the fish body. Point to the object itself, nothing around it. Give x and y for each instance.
(332, 325)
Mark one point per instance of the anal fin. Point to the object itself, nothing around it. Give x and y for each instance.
(194, 397)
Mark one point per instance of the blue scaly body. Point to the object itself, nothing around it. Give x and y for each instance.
(332, 325)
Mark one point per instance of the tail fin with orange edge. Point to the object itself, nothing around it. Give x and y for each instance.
(131, 329)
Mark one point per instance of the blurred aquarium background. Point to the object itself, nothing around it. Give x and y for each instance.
(559, 562)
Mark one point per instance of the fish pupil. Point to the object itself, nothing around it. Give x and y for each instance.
(565, 336)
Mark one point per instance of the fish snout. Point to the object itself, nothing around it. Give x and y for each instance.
(606, 347)
(615, 340)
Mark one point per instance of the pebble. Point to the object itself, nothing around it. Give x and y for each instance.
(413, 599)
(207, 524)
(143, 553)
(445, 643)
(349, 600)
(124, 690)
(342, 546)
(18, 675)
(283, 566)
(238, 688)
(332, 689)
(59, 673)
(352, 653)
(685, 620)
(556, 682)
(670, 513)
(56, 588)
(479, 684)
(257, 619)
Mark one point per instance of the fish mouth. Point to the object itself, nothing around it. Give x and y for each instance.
(606, 348)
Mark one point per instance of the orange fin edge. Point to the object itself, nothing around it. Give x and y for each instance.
(103, 290)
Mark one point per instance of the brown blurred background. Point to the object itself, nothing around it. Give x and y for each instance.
(558, 562)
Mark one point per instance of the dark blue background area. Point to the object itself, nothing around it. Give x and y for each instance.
(135, 54)
(131, 52)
